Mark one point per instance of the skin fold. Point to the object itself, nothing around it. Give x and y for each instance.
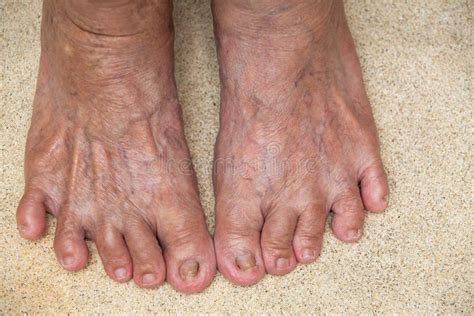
(107, 156)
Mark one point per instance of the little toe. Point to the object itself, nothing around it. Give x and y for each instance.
(309, 234)
(69, 242)
(30, 215)
(348, 218)
(277, 241)
(114, 253)
(189, 256)
(374, 188)
(237, 242)
(148, 264)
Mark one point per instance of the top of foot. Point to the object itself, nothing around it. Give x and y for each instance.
(297, 137)
(106, 154)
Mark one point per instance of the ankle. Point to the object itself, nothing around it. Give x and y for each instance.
(276, 17)
(119, 18)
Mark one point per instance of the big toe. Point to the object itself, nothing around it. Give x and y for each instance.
(237, 242)
(189, 256)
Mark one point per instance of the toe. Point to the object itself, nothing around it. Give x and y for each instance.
(114, 253)
(309, 234)
(277, 241)
(148, 264)
(237, 242)
(69, 243)
(348, 218)
(189, 255)
(30, 215)
(374, 188)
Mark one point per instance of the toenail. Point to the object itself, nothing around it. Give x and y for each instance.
(120, 273)
(148, 278)
(385, 200)
(282, 263)
(189, 269)
(67, 261)
(308, 254)
(354, 234)
(245, 262)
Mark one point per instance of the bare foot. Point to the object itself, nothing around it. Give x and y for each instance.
(106, 152)
(297, 136)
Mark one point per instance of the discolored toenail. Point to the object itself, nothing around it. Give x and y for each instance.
(245, 262)
(308, 254)
(282, 263)
(120, 273)
(354, 234)
(189, 269)
(67, 261)
(148, 278)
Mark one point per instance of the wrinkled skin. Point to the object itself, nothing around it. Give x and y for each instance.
(106, 152)
(297, 136)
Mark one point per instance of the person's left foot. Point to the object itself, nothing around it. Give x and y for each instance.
(297, 136)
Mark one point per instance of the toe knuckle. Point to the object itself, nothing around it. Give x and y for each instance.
(348, 201)
(308, 236)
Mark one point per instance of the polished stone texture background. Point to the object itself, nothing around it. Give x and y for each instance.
(417, 257)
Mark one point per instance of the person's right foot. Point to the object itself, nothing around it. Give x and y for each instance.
(106, 152)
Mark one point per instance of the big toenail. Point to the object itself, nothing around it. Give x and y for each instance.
(282, 263)
(189, 269)
(120, 273)
(354, 234)
(308, 254)
(148, 278)
(68, 260)
(245, 262)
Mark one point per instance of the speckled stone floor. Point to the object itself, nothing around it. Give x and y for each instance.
(416, 258)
